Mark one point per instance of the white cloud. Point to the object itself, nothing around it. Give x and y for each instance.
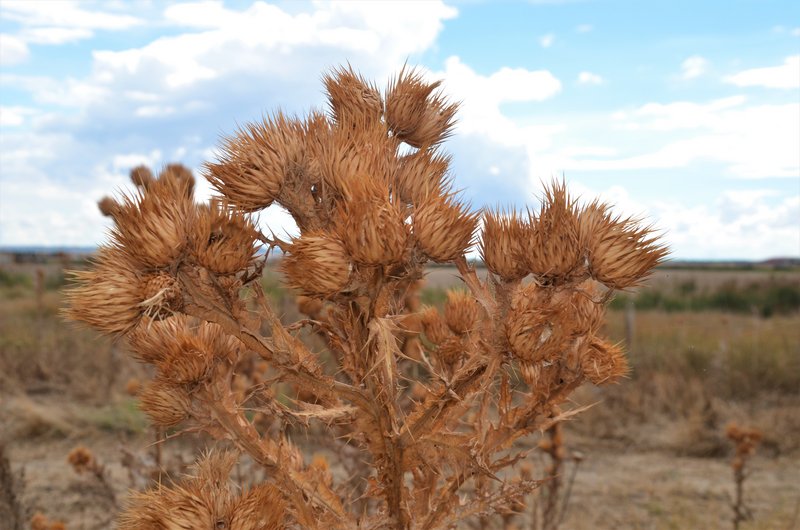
(12, 50)
(786, 75)
(481, 97)
(588, 78)
(174, 96)
(756, 141)
(694, 66)
(13, 116)
(64, 14)
(54, 35)
(741, 224)
(584, 28)
(796, 32)
(547, 40)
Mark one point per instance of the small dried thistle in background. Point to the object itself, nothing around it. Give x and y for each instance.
(746, 440)
(428, 402)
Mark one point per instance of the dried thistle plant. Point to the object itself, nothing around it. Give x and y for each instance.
(436, 407)
(746, 440)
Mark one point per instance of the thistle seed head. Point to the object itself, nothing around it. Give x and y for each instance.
(373, 232)
(537, 326)
(621, 253)
(444, 228)
(503, 244)
(415, 113)
(108, 296)
(420, 174)
(451, 350)
(603, 362)
(255, 162)
(317, 265)
(434, 326)
(166, 404)
(354, 103)
(461, 311)
(151, 227)
(223, 239)
(553, 253)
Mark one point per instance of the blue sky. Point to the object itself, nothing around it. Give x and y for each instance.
(687, 114)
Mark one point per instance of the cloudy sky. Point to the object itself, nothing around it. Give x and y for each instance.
(684, 113)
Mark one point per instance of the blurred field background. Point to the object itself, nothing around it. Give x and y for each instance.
(708, 345)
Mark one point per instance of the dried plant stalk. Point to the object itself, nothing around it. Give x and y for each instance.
(436, 408)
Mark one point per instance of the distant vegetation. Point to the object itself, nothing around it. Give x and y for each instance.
(774, 297)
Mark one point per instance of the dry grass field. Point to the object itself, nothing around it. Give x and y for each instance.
(654, 450)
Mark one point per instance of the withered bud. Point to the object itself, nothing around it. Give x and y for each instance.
(223, 240)
(444, 228)
(621, 253)
(353, 101)
(309, 306)
(420, 174)
(108, 295)
(255, 162)
(165, 404)
(179, 178)
(538, 326)
(504, 243)
(461, 311)
(142, 177)
(415, 113)
(133, 386)
(373, 232)
(434, 326)
(603, 362)
(108, 207)
(451, 350)
(317, 265)
(81, 459)
(553, 253)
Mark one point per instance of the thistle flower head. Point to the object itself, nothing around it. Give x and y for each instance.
(417, 114)
(206, 500)
(166, 404)
(434, 326)
(603, 362)
(183, 351)
(151, 226)
(108, 296)
(621, 253)
(420, 174)
(317, 265)
(354, 102)
(444, 228)
(503, 244)
(553, 253)
(223, 239)
(373, 231)
(538, 327)
(461, 311)
(254, 163)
